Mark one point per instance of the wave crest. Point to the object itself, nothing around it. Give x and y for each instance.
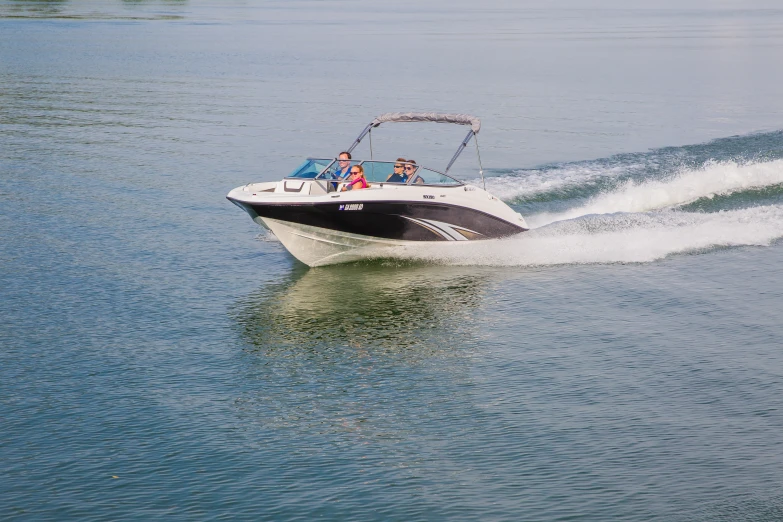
(685, 187)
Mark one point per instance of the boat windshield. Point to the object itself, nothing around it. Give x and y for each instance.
(310, 168)
(383, 171)
(430, 177)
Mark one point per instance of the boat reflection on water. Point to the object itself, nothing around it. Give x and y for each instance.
(368, 305)
(357, 352)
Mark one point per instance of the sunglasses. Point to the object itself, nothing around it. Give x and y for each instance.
(409, 168)
(398, 166)
(355, 172)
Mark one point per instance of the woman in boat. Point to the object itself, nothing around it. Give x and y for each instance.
(358, 181)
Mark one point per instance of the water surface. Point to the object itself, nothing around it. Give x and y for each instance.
(163, 358)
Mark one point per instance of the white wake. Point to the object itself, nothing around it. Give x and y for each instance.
(682, 188)
(525, 183)
(615, 238)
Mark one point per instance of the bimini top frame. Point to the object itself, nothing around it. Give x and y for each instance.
(458, 119)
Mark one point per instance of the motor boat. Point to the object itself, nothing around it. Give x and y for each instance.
(321, 223)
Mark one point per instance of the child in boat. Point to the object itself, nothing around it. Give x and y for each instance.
(398, 175)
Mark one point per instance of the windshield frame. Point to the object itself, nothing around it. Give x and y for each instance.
(322, 175)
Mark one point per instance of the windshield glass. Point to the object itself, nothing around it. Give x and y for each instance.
(338, 169)
(310, 168)
(384, 172)
(374, 172)
(377, 171)
(430, 177)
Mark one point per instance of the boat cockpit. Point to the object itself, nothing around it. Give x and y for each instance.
(318, 176)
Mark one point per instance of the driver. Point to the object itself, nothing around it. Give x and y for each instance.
(343, 165)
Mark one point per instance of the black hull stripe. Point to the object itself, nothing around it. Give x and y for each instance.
(386, 219)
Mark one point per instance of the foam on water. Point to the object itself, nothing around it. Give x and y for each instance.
(686, 186)
(615, 238)
(583, 179)
(636, 221)
(526, 183)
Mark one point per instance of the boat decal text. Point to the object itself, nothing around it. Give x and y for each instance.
(352, 206)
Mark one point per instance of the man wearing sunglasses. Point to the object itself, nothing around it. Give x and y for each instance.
(343, 169)
(398, 176)
(410, 170)
(343, 165)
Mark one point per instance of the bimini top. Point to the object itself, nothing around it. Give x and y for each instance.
(459, 119)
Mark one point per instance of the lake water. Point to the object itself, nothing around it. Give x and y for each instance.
(162, 358)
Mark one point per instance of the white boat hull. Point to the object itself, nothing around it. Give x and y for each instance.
(315, 246)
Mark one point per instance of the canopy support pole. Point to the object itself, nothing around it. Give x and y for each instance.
(361, 137)
(459, 150)
(481, 169)
(372, 163)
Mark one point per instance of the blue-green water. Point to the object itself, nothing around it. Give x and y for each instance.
(161, 358)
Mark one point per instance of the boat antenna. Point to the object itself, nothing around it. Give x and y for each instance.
(481, 169)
